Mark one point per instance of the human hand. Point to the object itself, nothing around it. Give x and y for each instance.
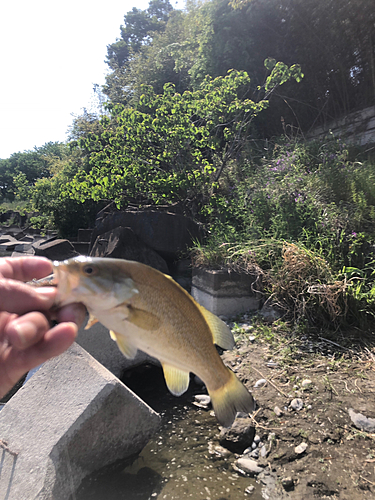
(26, 337)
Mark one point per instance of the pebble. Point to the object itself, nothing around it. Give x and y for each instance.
(254, 453)
(301, 448)
(263, 451)
(251, 338)
(361, 421)
(250, 489)
(202, 400)
(277, 411)
(306, 383)
(248, 466)
(296, 404)
(256, 439)
(272, 364)
(221, 451)
(260, 383)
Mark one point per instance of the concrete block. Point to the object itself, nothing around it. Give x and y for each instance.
(224, 293)
(71, 418)
(56, 250)
(99, 344)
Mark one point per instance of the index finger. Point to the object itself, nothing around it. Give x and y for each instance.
(25, 268)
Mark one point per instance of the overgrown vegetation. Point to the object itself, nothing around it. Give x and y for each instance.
(304, 215)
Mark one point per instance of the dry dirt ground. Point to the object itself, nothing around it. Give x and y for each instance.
(339, 461)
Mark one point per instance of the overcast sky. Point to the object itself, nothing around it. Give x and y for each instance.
(51, 54)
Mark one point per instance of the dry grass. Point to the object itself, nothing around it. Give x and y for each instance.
(304, 287)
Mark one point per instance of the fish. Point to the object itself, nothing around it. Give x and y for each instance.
(147, 310)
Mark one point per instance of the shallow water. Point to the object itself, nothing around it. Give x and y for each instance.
(176, 463)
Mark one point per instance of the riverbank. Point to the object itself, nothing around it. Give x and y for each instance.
(306, 386)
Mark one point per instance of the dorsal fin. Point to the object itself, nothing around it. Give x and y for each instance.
(220, 331)
(222, 336)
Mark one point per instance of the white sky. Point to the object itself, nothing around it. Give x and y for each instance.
(51, 54)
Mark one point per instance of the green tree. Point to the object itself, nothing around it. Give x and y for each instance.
(171, 147)
(138, 31)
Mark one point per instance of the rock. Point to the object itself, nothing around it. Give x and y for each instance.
(296, 404)
(301, 448)
(361, 421)
(251, 338)
(306, 383)
(271, 489)
(277, 411)
(219, 451)
(202, 401)
(260, 383)
(122, 243)
(272, 364)
(263, 451)
(256, 439)
(287, 483)
(238, 437)
(167, 233)
(56, 250)
(248, 466)
(250, 489)
(71, 418)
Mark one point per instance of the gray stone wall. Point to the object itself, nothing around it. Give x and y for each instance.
(355, 128)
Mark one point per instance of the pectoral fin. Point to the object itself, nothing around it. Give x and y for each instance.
(221, 333)
(127, 349)
(92, 320)
(177, 380)
(143, 319)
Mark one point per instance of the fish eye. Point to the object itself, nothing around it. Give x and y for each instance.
(89, 270)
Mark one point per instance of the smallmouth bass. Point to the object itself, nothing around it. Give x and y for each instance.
(147, 310)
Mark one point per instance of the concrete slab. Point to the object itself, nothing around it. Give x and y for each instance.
(70, 419)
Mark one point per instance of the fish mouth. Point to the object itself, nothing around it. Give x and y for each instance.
(66, 281)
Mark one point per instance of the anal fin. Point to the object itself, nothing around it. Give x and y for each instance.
(177, 380)
(128, 350)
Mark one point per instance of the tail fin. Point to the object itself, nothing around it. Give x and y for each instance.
(230, 399)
